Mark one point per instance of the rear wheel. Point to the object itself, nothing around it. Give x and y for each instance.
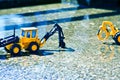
(33, 47)
(15, 50)
(117, 38)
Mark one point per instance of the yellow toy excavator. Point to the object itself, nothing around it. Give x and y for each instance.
(29, 40)
(108, 29)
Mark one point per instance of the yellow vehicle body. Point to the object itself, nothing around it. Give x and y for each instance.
(108, 29)
(28, 36)
(29, 40)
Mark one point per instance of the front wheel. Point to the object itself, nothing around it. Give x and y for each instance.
(15, 50)
(33, 47)
(117, 38)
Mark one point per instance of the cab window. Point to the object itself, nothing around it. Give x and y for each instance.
(23, 33)
(33, 33)
(28, 34)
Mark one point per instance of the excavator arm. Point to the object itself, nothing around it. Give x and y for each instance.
(56, 28)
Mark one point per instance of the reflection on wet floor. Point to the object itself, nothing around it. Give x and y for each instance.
(108, 52)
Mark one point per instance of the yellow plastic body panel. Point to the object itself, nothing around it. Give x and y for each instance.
(9, 46)
(26, 39)
(103, 28)
(42, 43)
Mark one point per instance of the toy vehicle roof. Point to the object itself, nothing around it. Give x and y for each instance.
(29, 28)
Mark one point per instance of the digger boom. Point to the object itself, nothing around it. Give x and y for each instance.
(61, 37)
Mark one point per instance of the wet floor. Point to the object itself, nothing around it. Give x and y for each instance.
(86, 58)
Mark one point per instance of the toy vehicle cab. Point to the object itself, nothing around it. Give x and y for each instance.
(29, 32)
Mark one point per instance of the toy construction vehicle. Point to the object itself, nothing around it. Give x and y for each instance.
(111, 31)
(29, 40)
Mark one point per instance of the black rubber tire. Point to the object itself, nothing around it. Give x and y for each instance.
(6, 50)
(12, 50)
(116, 38)
(30, 47)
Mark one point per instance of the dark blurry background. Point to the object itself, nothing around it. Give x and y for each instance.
(20, 3)
(99, 2)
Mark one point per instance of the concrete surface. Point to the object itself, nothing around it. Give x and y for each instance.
(86, 58)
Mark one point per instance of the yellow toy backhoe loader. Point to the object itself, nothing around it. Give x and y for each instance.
(29, 40)
(108, 29)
